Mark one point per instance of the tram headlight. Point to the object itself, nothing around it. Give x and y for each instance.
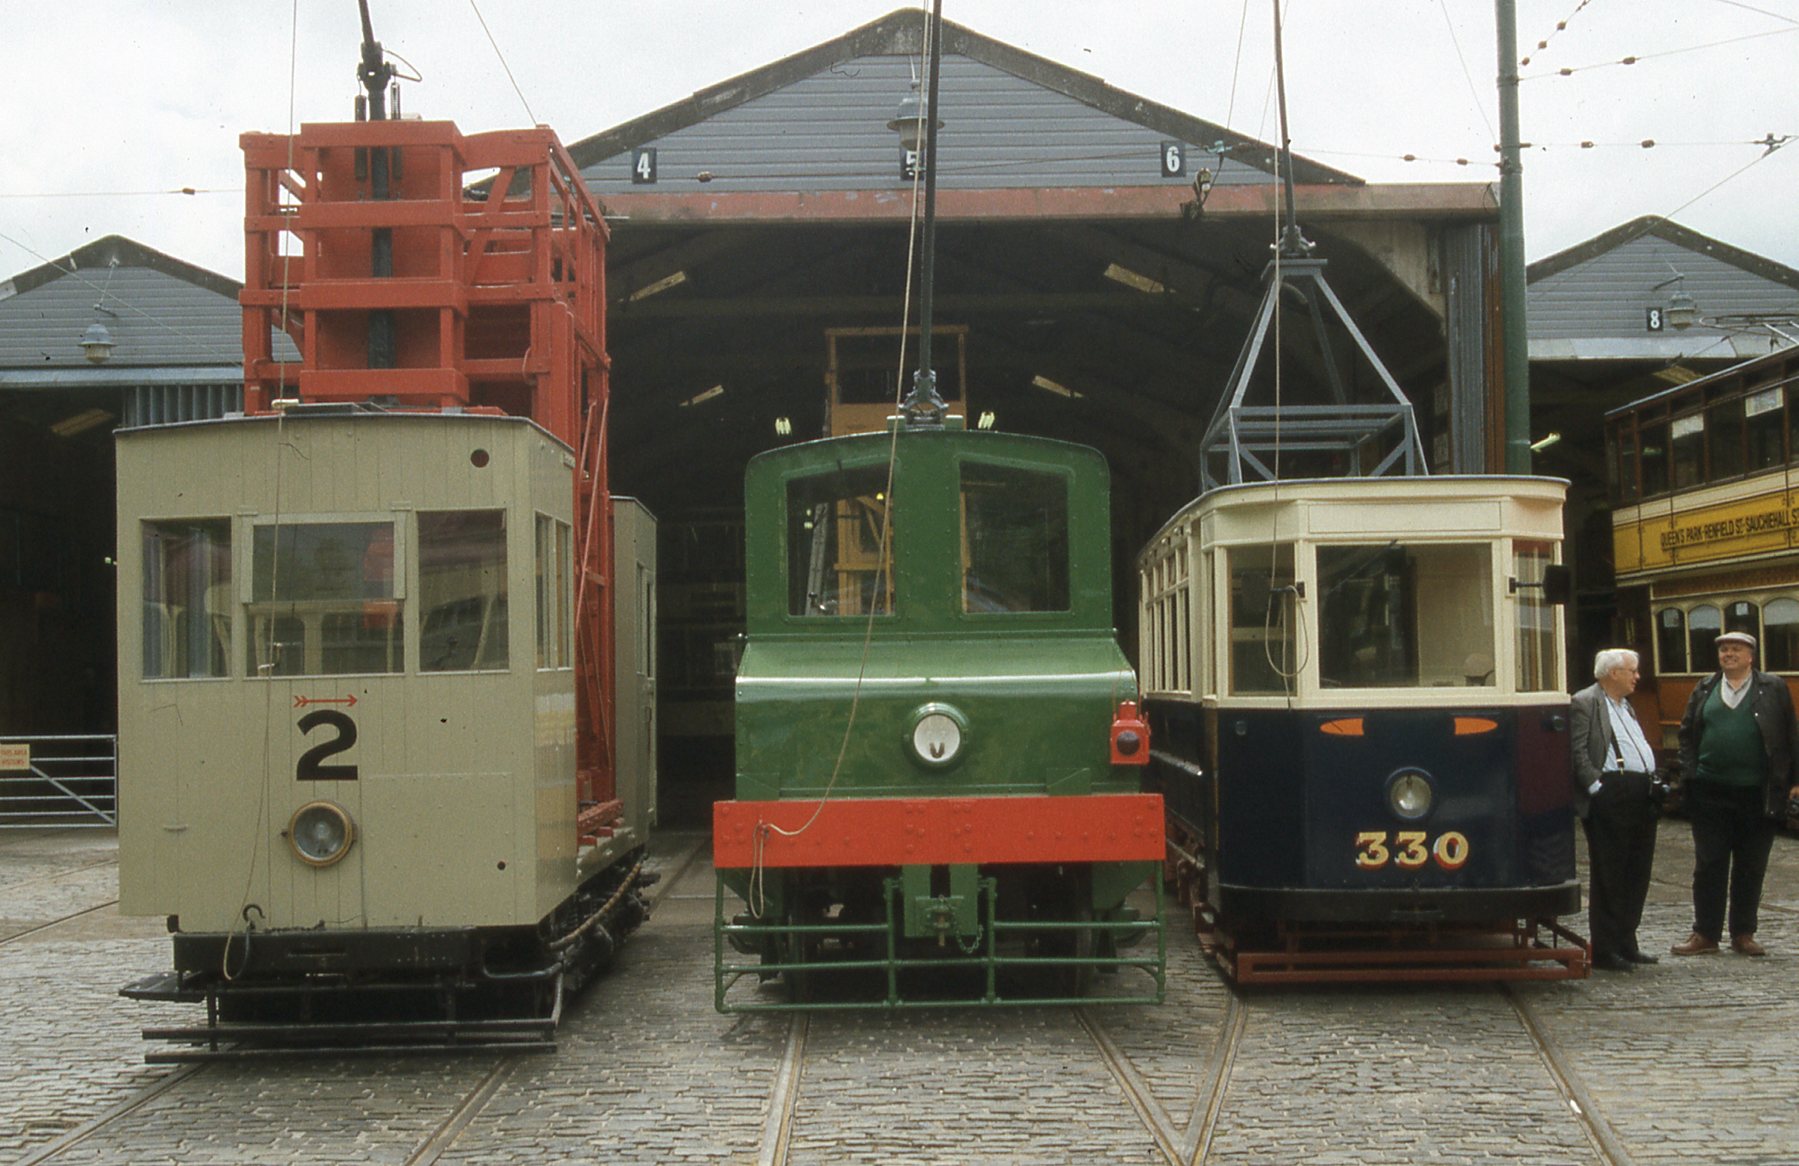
(1409, 794)
(938, 735)
(321, 833)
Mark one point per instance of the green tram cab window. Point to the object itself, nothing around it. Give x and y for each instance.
(322, 600)
(839, 552)
(1014, 539)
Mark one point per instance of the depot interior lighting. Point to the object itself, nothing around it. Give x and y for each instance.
(702, 398)
(1056, 387)
(1134, 279)
(80, 422)
(657, 288)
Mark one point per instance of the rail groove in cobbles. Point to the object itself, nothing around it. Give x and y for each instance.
(1679, 1062)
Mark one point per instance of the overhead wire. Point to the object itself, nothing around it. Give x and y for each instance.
(68, 268)
(181, 190)
(883, 571)
(1473, 92)
(503, 65)
(265, 670)
(1237, 61)
(1561, 26)
(1638, 58)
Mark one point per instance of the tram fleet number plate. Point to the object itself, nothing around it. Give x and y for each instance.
(1410, 849)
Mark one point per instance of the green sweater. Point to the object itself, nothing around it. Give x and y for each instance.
(1730, 743)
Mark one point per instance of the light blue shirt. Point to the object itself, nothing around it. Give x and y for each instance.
(1632, 745)
(1638, 756)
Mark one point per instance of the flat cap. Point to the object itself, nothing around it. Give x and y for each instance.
(1735, 638)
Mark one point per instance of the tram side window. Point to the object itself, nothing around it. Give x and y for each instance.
(1621, 462)
(186, 598)
(555, 635)
(1014, 539)
(1654, 437)
(1724, 439)
(462, 590)
(1261, 619)
(1539, 664)
(1780, 635)
(1765, 420)
(1671, 640)
(322, 599)
(839, 556)
(1740, 615)
(1703, 626)
(1688, 435)
(1392, 616)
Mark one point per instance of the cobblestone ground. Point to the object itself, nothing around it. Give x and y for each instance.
(1694, 1059)
(1686, 1061)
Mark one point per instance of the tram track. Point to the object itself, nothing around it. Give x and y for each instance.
(57, 922)
(783, 1096)
(470, 1108)
(1607, 1147)
(118, 1112)
(1191, 1146)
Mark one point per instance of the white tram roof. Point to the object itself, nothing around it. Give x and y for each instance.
(1444, 506)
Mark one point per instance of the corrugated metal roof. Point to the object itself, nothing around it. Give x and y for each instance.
(829, 132)
(159, 311)
(817, 121)
(1595, 301)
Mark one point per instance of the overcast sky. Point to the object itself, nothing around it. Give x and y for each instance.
(110, 104)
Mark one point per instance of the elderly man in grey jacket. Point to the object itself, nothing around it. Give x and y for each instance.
(1613, 767)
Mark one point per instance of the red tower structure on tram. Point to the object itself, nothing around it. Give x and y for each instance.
(418, 268)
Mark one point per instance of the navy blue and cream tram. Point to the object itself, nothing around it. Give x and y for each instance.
(1354, 687)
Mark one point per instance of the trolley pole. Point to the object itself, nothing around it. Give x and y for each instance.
(1511, 249)
(923, 407)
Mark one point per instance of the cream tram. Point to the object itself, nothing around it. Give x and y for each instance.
(1354, 694)
(347, 729)
(386, 682)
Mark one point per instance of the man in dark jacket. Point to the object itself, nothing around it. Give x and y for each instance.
(1738, 741)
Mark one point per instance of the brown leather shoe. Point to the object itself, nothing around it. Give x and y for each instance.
(1745, 945)
(1696, 944)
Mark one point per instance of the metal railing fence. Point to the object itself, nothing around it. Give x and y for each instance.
(59, 781)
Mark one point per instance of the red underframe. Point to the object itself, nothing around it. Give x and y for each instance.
(941, 831)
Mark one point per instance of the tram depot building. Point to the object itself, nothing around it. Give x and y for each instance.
(1099, 260)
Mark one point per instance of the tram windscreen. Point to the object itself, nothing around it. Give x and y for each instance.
(322, 599)
(1396, 616)
(839, 557)
(1014, 539)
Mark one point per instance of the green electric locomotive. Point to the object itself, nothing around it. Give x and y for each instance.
(938, 792)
